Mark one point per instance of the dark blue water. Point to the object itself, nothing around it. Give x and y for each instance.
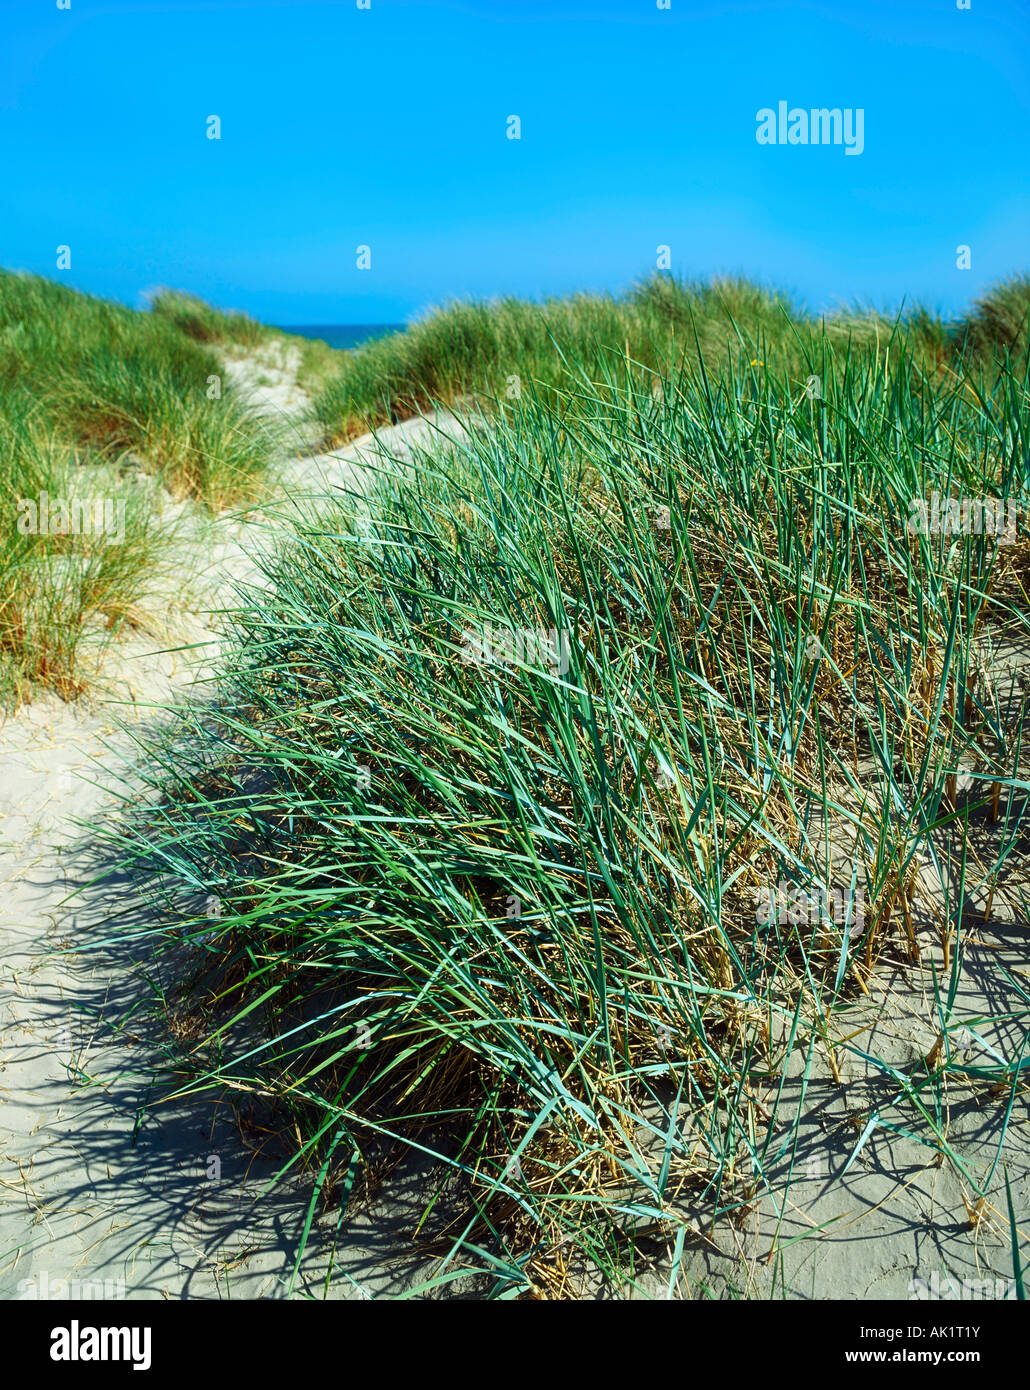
(342, 335)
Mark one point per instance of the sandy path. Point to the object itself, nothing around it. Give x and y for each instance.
(101, 1196)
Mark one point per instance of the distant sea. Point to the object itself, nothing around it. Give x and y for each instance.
(342, 335)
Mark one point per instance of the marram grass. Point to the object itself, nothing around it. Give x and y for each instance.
(504, 910)
(496, 349)
(92, 395)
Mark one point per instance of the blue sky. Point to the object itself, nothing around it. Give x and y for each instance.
(386, 127)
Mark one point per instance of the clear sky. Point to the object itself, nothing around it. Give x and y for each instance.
(386, 127)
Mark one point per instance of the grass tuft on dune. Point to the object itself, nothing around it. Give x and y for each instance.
(112, 380)
(317, 361)
(495, 350)
(472, 849)
(92, 395)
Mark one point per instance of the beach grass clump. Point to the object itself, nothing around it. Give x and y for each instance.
(129, 399)
(82, 541)
(116, 380)
(497, 349)
(506, 765)
(205, 323)
(998, 320)
(92, 395)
